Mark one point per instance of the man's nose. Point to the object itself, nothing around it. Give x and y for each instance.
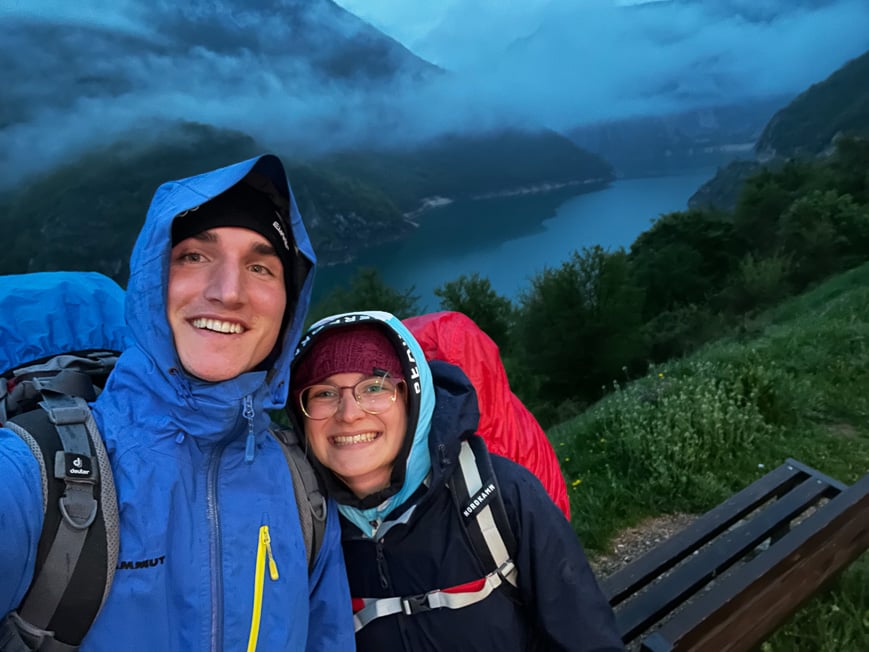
(226, 284)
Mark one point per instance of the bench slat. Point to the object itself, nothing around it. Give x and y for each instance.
(663, 557)
(646, 608)
(747, 605)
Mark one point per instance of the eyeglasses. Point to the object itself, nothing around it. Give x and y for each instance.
(373, 395)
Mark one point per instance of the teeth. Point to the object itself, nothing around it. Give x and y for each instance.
(217, 326)
(343, 440)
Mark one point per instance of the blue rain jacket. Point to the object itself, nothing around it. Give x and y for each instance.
(192, 501)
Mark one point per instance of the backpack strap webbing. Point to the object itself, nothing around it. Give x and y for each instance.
(308, 491)
(477, 497)
(78, 549)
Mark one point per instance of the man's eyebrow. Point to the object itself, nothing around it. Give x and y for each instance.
(206, 236)
(263, 249)
(259, 248)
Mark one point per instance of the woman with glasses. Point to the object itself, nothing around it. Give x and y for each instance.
(386, 429)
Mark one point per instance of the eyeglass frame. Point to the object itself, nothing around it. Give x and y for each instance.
(356, 398)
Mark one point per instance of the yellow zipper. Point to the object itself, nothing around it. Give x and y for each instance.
(264, 549)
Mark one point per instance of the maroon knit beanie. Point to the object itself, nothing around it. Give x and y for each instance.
(361, 349)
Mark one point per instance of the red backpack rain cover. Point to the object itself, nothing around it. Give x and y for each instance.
(506, 424)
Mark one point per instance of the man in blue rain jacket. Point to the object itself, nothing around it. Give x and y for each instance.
(220, 281)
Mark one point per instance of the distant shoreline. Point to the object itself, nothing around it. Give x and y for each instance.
(437, 201)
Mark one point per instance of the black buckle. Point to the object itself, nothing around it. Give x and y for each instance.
(415, 604)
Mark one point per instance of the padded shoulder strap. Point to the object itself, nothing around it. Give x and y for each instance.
(78, 549)
(481, 508)
(308, 490)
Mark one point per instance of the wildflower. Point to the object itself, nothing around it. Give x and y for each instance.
(566, 459)
(761, 466)
(660, 374)
(576, 482)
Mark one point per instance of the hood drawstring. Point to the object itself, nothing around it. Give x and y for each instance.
(250, 443)
(182, 387)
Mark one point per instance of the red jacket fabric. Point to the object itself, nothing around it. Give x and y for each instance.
(506, 425)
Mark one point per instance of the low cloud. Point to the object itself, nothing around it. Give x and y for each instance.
(76, 75)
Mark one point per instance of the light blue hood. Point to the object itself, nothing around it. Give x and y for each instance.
(421, 405)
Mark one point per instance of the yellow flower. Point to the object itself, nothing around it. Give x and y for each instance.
(660, 375)
(566, 459)
(576, 482)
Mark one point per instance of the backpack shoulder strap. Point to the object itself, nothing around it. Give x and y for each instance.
(477, 498)
(308, 490)
(481, 509)
(78, 549)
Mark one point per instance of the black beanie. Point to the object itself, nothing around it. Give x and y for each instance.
(245, 207)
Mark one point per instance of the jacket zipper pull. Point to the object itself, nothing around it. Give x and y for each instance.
(250, 444)
(263, 551)
(267, 540)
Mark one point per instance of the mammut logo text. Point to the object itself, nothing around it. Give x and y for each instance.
(144, 563)
(479, 500)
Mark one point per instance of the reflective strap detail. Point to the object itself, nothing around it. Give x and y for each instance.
(375, 608)
(456, 597)
(485, 519)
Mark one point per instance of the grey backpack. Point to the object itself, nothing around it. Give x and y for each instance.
(46, 404)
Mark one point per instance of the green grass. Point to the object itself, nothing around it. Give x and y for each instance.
(793, 383)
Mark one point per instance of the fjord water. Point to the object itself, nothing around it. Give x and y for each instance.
(510, 239)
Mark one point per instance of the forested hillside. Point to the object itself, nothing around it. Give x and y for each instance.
(837, 106)
(85, 214)
(809, 126)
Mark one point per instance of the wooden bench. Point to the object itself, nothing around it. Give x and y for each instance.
(732, 577)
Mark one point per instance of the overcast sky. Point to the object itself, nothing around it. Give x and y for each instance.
(592, 59)
(553, 63)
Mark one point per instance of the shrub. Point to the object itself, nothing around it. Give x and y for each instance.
(675, 432)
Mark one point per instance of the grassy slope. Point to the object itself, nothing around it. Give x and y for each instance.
(794, 383)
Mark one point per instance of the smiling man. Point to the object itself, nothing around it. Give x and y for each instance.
(229, 271)
(219, 284)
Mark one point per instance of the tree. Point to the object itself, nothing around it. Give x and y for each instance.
(765, 197)
(684, 259)
(579, 325)
(474, 296)
(824, 232)
(367, 291)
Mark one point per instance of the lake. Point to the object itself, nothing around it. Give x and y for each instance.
(509, 240)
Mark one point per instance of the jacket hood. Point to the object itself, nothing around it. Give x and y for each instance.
(413, 462)
(86, 312)
(149, 273)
